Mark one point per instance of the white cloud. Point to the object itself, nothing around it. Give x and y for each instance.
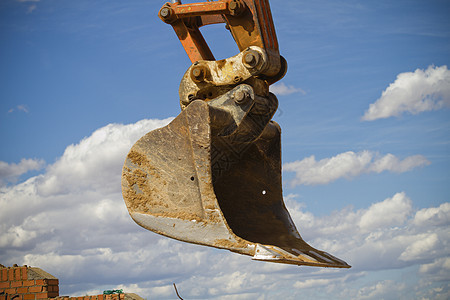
(85, 180)
(439, 268)
(21, 107)
(326, 281)
(283, 89)
(31, 8)
(390, 212)
(433, 216)
(420, 248)
(72, 222)
(413, 92)
(381, 236)
(9, 172)
(96, 161)
(436, 272)
(382, 289)
(349, 164)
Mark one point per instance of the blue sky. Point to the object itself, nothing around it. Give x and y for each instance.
(364, 112)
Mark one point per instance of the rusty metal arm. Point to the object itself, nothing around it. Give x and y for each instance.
(250, 23)
(187, 18)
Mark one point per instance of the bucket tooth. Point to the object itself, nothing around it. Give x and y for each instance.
(213, 177)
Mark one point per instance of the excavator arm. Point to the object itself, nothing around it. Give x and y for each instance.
(213, 175)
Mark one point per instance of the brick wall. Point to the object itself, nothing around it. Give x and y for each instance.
(98, 297)
(27, 283)
(24, 283)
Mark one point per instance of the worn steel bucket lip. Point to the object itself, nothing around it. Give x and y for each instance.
(277, 255)
(215, 234)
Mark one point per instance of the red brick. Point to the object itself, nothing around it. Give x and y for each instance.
(22, 290)
(28, 283)
(16, 284)
(100, 297)
(16, 297)
(42, 295)
(29, 296)
(4, 274)
(24, 273)
(10, 274)
(4, 285)
(40, 282)
(35, 289)
(11, 291)
(17, 274)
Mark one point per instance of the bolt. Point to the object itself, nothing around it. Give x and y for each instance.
(197, 72)
(251, 59)
(165, 12)
(240, 96)
(235, 7)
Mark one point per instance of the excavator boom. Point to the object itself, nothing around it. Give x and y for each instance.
(213, 175)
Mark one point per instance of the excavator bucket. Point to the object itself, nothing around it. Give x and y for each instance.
(213, 175)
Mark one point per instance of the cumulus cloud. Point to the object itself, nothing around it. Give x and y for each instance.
(10, 172)
(433, 216)
(413, 92)
(85, 180)
(72, 222)
(438, 269)
(381, 289)
(385, 235)
(283, 89)
(309, 171)
(390, 212)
